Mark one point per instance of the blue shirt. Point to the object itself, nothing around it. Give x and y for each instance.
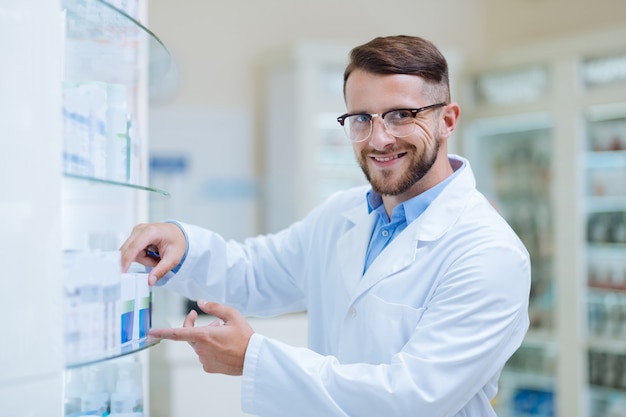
(386, 229)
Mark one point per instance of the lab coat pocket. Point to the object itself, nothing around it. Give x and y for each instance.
(391, 325)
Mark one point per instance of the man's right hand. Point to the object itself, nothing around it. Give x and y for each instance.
(157, 245)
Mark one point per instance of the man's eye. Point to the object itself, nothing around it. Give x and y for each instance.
(361, 118)
(400, 115)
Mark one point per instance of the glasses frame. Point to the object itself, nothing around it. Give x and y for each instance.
(341, 119)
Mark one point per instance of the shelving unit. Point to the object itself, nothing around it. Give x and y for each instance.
(605, 212)
(559, 108)
(51, 206)
(111, 52)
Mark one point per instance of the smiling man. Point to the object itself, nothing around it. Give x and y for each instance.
(416, 289)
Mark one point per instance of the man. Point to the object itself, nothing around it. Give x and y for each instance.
(416, 289)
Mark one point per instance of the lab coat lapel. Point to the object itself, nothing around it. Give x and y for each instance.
(438, 218)
(398, 255)
(352, 249)
(352, 246)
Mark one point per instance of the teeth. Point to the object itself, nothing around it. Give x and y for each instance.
(389, 158)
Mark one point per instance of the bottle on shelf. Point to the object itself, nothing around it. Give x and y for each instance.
(127, 399)
(95, 400)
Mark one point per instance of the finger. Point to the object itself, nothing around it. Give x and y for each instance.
(190, 320)
(177, 334)
(157, 245)
(140, 247)
(132, 247)
(216, 323)
(225, 313)
(160, 269)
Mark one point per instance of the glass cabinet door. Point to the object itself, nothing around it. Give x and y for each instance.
(605, 217)
(511, 159)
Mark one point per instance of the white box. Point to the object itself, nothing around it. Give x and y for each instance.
(143, 306)
(125, 325)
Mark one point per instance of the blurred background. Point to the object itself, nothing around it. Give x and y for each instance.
(215, 110)
(247, 117)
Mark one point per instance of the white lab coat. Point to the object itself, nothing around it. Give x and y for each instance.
(424, 332)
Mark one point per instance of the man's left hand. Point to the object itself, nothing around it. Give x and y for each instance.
(220, 346)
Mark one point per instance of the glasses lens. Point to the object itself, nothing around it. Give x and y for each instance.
(358, 127)
(400, 123)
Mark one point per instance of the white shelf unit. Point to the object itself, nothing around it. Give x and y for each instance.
(568, 87)
(47, 206)
(31, 354)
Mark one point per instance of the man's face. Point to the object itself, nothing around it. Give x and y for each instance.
(393, 166)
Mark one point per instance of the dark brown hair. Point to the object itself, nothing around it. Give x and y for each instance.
(403, 55)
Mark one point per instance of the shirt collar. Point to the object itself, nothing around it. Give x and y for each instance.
(414, 207)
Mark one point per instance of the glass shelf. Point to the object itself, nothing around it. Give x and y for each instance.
(596, 249)
(603, 159)
(115, 183)
(98, 22)
(606, 289)
(127, 349)
(606, 344)
(605, 203)
(527, 379)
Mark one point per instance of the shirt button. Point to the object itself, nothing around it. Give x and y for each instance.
(352, 312)
(385, 233)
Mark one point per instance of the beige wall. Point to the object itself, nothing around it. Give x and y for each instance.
(218, 43)
(512, 22)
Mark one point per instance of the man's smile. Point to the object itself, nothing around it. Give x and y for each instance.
(387, 158)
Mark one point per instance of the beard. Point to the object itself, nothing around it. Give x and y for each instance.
(384, 184)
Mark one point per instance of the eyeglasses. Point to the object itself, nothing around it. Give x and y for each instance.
(398, 122)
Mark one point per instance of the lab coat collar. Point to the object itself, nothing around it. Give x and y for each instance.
(438, 218)
(444, 211)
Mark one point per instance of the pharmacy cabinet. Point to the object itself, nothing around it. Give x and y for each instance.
(545, 128)
(74, 107)
(604, 170)
(109, 59)
(306, 155)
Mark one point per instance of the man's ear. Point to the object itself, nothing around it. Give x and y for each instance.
(449, 118)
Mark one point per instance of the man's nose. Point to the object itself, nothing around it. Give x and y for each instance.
(380, 137)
